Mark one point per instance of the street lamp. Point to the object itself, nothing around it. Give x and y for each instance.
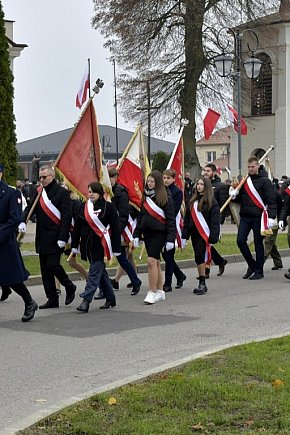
(252, 65)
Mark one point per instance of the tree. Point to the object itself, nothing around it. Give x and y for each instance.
(160, 161)
(8, 151)
(169, 43)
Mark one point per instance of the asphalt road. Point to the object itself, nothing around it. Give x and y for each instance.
(62, 355)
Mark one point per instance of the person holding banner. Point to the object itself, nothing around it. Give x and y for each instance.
(202, 225)
(98, 232)
(258, 213)
(53, 222)
(156, 224)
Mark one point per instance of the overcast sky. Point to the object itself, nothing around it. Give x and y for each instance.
(48, 72)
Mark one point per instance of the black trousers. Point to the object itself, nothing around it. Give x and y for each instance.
(171, 267)
(50, 268)
(216, 257)
(21, 290)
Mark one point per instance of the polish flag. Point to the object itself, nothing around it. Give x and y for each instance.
(233, 115)
(177, 161)
(83, 89)
(209, 122)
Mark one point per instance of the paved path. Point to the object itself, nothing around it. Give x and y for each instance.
(63, 355)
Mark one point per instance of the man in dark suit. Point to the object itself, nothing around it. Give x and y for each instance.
(12, 270)
(53, 221)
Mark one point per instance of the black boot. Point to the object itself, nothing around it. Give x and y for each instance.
(107, 305)
(50, 303)
(84, 306)
(6, 292)
(30, 308)
(70, 294)
(202, 288)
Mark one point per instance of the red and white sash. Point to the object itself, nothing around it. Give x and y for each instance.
(99, 228)
(203, 229)
(127, 234)
(154, 210)
(287, 190)
(179, 228)
(257, 200)
(47, 206)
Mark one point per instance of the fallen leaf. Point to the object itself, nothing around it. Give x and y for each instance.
(112, 401)
(197, 426)
(249, 422)
(277, 383)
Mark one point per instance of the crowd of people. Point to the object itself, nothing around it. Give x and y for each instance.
(99, 229)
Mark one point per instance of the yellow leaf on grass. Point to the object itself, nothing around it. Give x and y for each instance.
(197, 426)
(277, 383)
(112, 401)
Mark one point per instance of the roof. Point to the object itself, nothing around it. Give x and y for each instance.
(282, 16)
(14, 44)
(54, 142)
(221, 136)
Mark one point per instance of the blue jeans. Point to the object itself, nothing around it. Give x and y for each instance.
(246, 225)
(129, 269)
(98, 276)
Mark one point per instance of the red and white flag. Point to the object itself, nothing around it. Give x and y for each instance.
(177, 161)
(209, 122)
(83, 89)
(233, 115)
(133, 168)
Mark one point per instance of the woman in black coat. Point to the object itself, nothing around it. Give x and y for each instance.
(97, 230)
(202, 224)
(12, 270)
(156, 224)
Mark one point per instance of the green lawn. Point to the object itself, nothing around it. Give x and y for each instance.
(227, 246)
(243, 390)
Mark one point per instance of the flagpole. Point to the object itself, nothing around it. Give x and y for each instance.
(184, 122)
(116, 111)
(89, 70)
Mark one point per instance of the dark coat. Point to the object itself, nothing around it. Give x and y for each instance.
(121, 202)
(48, 232)
(148, 223)
(90, 243)
(212, 217)
(265, 189)
(177, 197)
(12, 270)
(285, 210)
(221, 194)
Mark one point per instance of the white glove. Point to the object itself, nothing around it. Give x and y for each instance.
(74, 250)
(169, 246)
(61, 244)
(183, 243)
(136, 242)
(22, 227)
(281, 225)
(272, 223)
(116, 254)
(233, 193)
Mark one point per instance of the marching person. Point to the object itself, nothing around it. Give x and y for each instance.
(12, 270)
(202, 225)
(98, 232)
(284, 214)
(121, 202)
(270, 246)
(156, 225)
(258, 213)
(53, 222)
(171, 267)
(188, 188)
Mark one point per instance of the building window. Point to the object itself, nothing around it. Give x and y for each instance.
(261, 89)
(210, 156)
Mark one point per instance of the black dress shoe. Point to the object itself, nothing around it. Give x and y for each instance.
(84, 306)
(115, 284)
(99, 296)
(248, 273)
(287, 275)
(277, 267)
(70, 294)
(6, 292)
(222, 267)
(180, 282)
(29, 311)
(256, 276)
(167, 288)
(107, 305)
(135, 291)
(49, 304)
(201, 289)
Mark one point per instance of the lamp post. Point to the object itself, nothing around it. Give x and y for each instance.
(252, 65)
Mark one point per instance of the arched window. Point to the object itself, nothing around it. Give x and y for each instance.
(261, 89)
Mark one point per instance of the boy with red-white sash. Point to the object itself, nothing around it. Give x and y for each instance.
(257, 213)
(202, 225)
(98, 233)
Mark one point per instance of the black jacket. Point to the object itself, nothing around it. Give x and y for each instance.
(90, 243)
(285, 210)
(177, 197)
(121, 202)
(146, 222)
(265, 189)
(48, 232)
(221, 193)
(212, 217)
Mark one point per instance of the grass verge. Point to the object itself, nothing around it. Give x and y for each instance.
(245, 389)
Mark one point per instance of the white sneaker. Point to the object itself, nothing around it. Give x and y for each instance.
(160, 295)
(150, 298)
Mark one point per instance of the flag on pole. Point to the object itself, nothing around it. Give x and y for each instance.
(177, 161)
(79, 163)
(209, 122)
(233, 115)
(133, 168)
(83, 88)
